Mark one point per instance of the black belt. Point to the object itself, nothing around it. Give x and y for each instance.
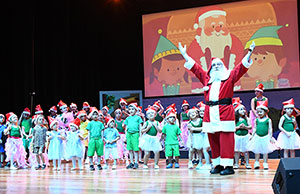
(224, 101)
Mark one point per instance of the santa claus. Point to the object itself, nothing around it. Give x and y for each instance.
(219, 120)
(213, 39)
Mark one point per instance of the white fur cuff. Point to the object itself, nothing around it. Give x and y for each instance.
(189, 64)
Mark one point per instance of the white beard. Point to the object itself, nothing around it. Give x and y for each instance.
(222, 74)
(215, 43)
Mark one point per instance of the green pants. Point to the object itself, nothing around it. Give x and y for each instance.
(172, 150)
(132, 140)
(95, 144)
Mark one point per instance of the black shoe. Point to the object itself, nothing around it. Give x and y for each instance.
(141, 162)
(7, 164)
(135, 166)
(217, 169)
(38, 167)
(227, 171)
(43, 166)
(99, 167)
(242, 160)
(92, 168)
(130, 166)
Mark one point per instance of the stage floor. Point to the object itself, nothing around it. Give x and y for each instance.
(180, 180)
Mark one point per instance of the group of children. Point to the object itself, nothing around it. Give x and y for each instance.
(77, 135)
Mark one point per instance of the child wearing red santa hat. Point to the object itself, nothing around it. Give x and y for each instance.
(241, 135)
(262, 141)
(288, 139)
(14, 146)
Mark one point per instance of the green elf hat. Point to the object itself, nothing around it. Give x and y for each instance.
(266, 36)
(164, 48)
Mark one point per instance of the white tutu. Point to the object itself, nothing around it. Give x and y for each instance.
(150, 143)
(241, 143)
(74, 146)
(199, 141)
(262, 145)
(290, 143)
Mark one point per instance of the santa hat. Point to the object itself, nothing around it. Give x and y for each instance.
(156, 104)
(52, 121)
(73, 105)
(259, 88)
(108, 120)
(171, 113)
(118, 110)
(289, 103)
(171, 107)
(207, 12)
(185, 103)
(122, 100)
(150, 109)
(236, 100)
(100, 113)
(92, 110)
(134, 105)
(9, 116)
(106, 108)
(75, 123)
(201, 105)
(61, 104)
(53, 108)
(85, 105)
(26, 111)
(38, 109)
(81, 113)
(192, 109)
(262, 105)
(237, 106)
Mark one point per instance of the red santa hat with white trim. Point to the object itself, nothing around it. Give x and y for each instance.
(108, 120)
(171, 113)
(52, 121)
(106, 108)
(201, 105)
(237, 106)
(53, 109)
(92, 110)
(61, 104)
(157, 104)
(10, 115)
(75, 123)
(289, 103)
(38, 109)
(122, 100)
(262, 105)
(260, 88)
(185, 103)
(171, 107)
(26, 111)
(81, 113)
(192, 109)
(85, 105)
(236, 100)
(134, 105)
(150, 109)
(73, 105)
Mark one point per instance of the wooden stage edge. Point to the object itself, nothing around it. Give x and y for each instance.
(141, 180)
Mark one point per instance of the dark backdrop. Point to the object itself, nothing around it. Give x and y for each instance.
(72, 49)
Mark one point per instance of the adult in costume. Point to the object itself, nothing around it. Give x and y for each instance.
(219, 120)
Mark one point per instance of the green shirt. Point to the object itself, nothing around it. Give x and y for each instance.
(262, 127)
(119, 126)
(15, 131)
(152, 131)
(158, 118)
(95, 128)
(241, 132)
(26, 123)
(133, 123)
(197, 126)
(171, 132)
(184, 116)
(288, 124)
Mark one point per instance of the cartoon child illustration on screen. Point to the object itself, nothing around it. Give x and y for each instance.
(168, 69)
(268, 58)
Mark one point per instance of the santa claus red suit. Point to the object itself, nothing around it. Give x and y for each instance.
(219, 120)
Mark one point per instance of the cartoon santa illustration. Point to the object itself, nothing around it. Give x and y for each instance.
(219, 119)
(214, 40)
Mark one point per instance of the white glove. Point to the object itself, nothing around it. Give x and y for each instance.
(183, 51)
(246, 60)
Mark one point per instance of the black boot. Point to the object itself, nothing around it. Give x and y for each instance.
(227, 171)
(217, 169)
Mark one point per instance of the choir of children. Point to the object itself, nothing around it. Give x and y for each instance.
(74, 135)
